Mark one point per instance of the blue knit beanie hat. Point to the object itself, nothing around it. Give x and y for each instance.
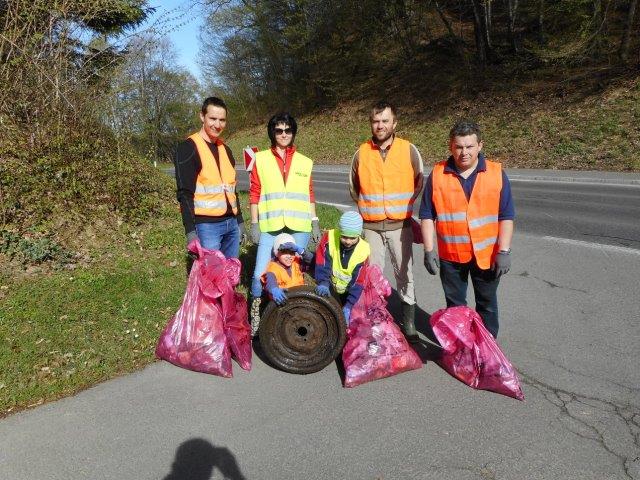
(350, 224)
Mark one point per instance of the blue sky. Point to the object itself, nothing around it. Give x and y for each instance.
(180, 21)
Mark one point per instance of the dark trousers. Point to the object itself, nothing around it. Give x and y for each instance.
(455, 279)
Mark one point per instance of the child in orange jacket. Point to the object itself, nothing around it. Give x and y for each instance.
(286, 268)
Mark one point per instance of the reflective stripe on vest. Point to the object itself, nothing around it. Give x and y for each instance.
(386, 186)
(342, 276)
(467, 229)
(283, 205)
(214, 186)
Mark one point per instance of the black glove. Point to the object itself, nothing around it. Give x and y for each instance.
(255, 233)
(243, 232)
(193, 244)
(502, 263)
(431, 262)
(316, 233)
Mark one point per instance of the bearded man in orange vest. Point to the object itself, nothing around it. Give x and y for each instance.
(206, 185)
(385, 180)
(467, 201)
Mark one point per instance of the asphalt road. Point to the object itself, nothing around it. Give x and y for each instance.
(601, 209)
(570, 323)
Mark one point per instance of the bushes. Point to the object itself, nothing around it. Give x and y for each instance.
(79, 174)
(71, 184)
(33, 250)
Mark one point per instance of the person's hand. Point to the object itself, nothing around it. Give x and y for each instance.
(322, 290)
(502, 263)
(299, 250)
(431, 262)
(255, 233)
(243, 233)
(193, 244)
(346, 311)
(278, 295)
(316, 233)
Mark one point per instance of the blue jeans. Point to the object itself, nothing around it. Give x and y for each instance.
(223, 236)
(265, 253)
(455, 279)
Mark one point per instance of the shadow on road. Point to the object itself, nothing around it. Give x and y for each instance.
(196, 459)
(427, 347)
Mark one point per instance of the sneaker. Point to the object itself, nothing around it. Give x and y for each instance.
(255, 315)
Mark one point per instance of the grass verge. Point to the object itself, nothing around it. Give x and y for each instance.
(65, 331)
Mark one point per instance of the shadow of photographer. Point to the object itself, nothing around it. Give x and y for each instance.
(197, 458)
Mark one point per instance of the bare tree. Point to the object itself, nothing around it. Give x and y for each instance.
(481, 30)
(541, 22)
(513, 12)
(628, 28)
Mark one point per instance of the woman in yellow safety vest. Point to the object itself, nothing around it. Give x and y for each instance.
(281, 199)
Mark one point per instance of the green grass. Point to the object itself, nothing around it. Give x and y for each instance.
(67, 330)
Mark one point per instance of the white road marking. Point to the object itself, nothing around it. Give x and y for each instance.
(341, 206)
(329, 181)
(599, 246)
(577, 181)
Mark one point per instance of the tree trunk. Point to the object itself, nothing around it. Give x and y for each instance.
(481, 31)
(541, 22)
(628, 28)
(597, 24)
(513, 12)
(487, 19)
(445, 20)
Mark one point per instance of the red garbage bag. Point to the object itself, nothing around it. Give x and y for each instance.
(238, 330)
(224, 276)
(471, 354)
(211, 324)
(375, 348)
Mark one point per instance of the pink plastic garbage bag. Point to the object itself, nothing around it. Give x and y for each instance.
(375, 346)
(210, 325)
(471, 354)
(224, 276)
(238, 330)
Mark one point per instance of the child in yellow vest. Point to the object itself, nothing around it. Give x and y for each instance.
(340, 256)
(286, 268)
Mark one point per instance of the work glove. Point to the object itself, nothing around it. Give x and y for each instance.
(255, 233)
(243, 232)
(322, 290)
(278, 295)
(316, 233)
(431, 262)
(299, 250)
(346, 311)
(193, 244)
(502, 263)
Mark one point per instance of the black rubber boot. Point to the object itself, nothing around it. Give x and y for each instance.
(408, 322)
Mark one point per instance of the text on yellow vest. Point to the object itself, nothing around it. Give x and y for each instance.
(284, 205)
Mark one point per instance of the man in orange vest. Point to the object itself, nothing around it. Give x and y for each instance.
(386, 178)
(467, 201)
(206, 185)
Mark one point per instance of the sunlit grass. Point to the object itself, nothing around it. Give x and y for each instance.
(67, 330)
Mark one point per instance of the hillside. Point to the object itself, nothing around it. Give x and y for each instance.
(539, 124)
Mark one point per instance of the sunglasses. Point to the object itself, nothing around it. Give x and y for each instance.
(280, 131)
